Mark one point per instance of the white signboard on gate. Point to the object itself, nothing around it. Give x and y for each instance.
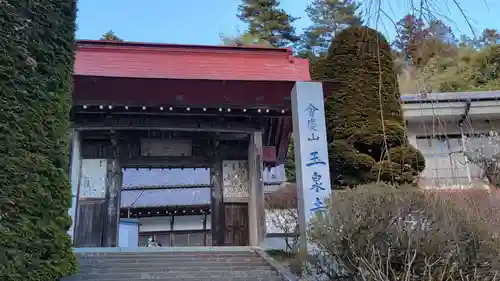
(93, 179)
(311, 152)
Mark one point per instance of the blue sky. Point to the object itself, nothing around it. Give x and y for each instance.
(202, 22)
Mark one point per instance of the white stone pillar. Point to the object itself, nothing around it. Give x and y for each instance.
(311, 154)
(74, 174)
(256, 212)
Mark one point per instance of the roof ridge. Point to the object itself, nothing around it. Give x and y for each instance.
(181, 47)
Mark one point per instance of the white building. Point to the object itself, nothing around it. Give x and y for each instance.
(438, 123)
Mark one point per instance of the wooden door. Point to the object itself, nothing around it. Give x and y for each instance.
(236, 229)
(90, 224)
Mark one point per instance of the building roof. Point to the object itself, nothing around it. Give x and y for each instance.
(276, 197)
(178, 187)
(450, 97)
(178, 178)
(172, 61)
(194, 196)
(136, 178)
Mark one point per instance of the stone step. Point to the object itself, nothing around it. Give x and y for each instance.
(170, 257)
(227, 278)
(174, 266)
(145, 265)
(252, 260)
(179, 274)
(159, 267)
(166, 253)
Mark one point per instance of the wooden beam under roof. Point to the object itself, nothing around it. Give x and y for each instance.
(167, 123)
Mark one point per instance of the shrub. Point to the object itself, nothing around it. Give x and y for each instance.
(36, 70)
(379, 233)
(362, 106)
(481, 204)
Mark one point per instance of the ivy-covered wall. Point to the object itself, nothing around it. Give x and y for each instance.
(365, 125)
(37, 44)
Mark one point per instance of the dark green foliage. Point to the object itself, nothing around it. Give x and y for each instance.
(346, 164)
(290, 163)
(360, 65)
(267, 21)
(111, 36)
(36, 68)
(386, 171)
(408, 155)
(363, 112)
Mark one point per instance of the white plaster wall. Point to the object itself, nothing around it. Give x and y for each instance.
(192, 222)
(154, 224)
(277, 243)
(189, 222)
(439, 141)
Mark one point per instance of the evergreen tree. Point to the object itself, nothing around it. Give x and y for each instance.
(328, 17)
(111, 36)
(363, 88)
(268, 22)
(36, 79)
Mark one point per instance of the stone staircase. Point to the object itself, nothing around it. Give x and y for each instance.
(173, 265)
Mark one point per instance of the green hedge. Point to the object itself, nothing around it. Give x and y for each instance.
(363, 111)
(36, 68)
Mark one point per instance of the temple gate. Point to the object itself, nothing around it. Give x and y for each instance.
(157, 106)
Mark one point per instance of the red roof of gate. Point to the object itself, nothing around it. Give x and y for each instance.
(171, 61)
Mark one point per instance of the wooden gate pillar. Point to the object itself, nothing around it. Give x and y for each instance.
(256, 212)
(218, 215)
(113, 191)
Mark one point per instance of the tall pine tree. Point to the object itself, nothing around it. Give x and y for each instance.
(328, 17)
(268, 22)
